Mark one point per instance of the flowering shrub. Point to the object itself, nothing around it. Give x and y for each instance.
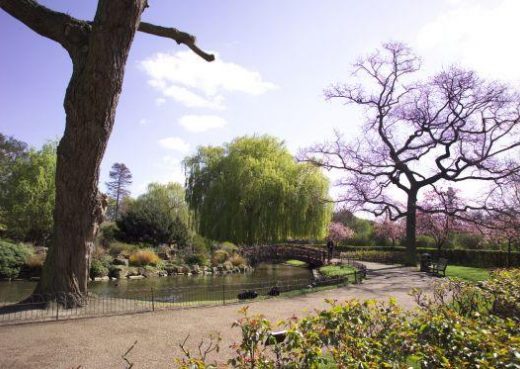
(457, 326)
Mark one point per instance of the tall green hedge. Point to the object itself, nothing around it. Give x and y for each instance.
(465, 257)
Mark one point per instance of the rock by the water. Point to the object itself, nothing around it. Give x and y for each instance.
(120, 260)
(118, 271)
(136, 277)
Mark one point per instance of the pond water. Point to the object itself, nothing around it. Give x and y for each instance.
(200, 287)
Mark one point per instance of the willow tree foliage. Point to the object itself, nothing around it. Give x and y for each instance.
(252, 191)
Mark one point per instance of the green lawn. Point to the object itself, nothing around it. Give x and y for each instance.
(467, 273)
(334, 271)
(296, 263)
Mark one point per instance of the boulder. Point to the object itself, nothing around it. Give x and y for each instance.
(118, 271)
(165, 252)
(120, 260)
(148, 272)
(186, 269)
(228, 266)
(136, 276)
(195, 269)
(133, 271)
(104, 278)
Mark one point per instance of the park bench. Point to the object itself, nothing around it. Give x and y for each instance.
(275, 338)
(439, 266)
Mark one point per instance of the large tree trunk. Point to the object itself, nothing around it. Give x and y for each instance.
(90, 106)
(411, 225)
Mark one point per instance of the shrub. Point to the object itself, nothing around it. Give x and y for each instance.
(120, 248)
(33, 265)
(198, 259)
(465, 257)
(98, 269)
(12, 258)
(384, 257)
(200, 244)
(469, 241)
(237, 260)
(108, 233)
(144, 257)
(228, 247)
(425, 241)
(219, 257)
(504, 285)
(454, 327)
(98, 252)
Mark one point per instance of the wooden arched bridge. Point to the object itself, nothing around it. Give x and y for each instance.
(313, 256)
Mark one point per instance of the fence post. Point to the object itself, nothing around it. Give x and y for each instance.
(355, 277)
(223, 294)
(57, 307)
(153, 300)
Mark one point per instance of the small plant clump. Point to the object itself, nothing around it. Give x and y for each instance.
(219, 257)
(144, 257)
(237, 260)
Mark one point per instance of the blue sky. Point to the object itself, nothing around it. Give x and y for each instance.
(274, 60)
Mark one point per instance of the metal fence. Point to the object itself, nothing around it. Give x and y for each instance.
(42, 308)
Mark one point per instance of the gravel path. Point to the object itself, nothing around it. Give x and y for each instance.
(100, 342)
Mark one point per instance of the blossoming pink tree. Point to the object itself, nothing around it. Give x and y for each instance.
(503, 216)
(338, 232)
(438, 219)
(390, 230)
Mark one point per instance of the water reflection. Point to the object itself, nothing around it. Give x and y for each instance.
(199, 287)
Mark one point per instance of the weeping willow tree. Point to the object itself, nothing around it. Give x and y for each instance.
(252, 191)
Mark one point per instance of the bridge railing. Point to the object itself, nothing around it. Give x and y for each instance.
(312, 255)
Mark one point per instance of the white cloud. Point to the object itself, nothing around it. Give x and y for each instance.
(172, 169)
(169, 169)
(174, 143)
(186, 78)
(144, 122)
(477, 36)
(160, 101)
(201, 123)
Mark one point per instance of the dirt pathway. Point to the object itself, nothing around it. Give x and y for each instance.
(100, 342)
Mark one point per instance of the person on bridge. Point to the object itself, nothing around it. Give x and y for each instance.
(330, 249)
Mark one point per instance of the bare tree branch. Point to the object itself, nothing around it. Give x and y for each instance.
(69, 31)
(178, 36)
(56, 26)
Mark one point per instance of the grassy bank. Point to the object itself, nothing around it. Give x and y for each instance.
(337, 271)
(467, 273)
(297, 263)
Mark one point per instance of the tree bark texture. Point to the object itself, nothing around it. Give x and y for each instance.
(90, 106)
(411, 225)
